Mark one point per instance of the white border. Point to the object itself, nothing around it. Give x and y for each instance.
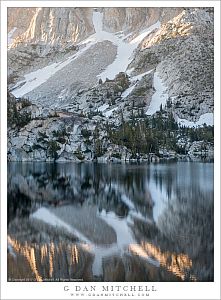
(184, 290)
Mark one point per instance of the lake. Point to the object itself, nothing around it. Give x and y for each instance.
(110, 222)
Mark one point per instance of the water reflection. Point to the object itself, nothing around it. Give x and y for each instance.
(51, 262)
(179, 264)
(110, 222)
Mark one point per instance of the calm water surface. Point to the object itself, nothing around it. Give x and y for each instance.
(110, 222)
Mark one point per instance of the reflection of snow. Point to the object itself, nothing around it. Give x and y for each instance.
(125, 238)
(10, 249)
(48, 217)
(204, 119)
(159, 97)
(10, 34)
(159, 197)
(127, 201)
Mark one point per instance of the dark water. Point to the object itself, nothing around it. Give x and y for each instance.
(110, 222)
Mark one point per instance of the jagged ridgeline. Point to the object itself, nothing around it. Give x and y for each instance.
(110, 83)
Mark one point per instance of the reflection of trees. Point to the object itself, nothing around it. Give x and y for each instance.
(185, 230)
(163, 178)
(20, 208)
(182, 178)
(103, 185)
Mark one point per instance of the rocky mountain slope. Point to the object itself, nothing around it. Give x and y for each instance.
(103, 68)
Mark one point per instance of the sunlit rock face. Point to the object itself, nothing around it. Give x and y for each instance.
(53, 26)
(130, 19)
(19, 18)
(64, 25)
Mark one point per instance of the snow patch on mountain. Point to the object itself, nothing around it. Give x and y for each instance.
(128, 91)
(108, 113)
(123, 58)
(124, 51)
(36, 78)
(159, 97)
(105, 111)
(10, 34)
(135, 79)
(103, 107)
(206, 118)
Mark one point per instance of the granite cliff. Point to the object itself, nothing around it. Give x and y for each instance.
(102, 69)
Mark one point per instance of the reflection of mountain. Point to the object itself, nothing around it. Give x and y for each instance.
(188, 224)
(48, 261)
(109, 187)
(178, 264)
(65, 261)
(83, 222)
(122, 220)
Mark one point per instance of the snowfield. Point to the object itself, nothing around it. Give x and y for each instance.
(10, 34)
(207, 118)
(124, 56)
(104, 109)
(36, 78)
(159, 97)
(124, 49)
(128, 91)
